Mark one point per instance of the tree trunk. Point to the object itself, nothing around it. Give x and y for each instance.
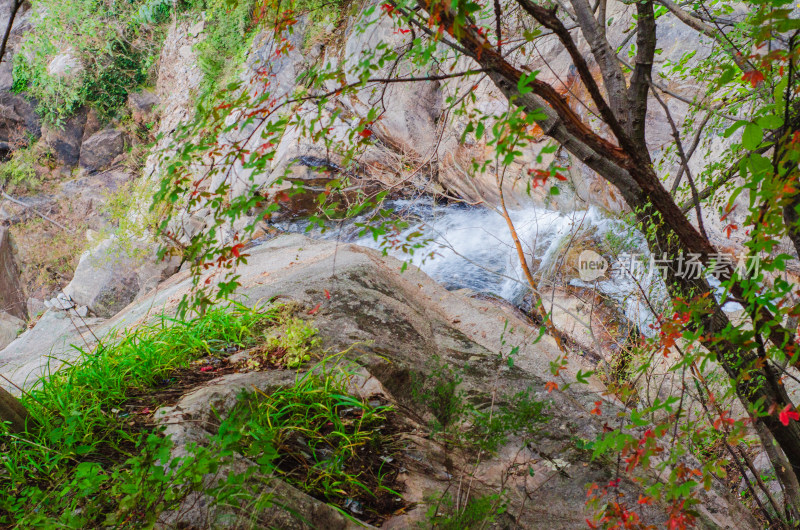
(13, 412)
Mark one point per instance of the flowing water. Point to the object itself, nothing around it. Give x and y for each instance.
(471, 247)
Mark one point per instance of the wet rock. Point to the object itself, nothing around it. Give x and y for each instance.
(101, 149)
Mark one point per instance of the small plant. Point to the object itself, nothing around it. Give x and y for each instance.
(441, 394)
(22, 172)
(336, 447)
(91, 461)
(110, 47)
(294, 339)
(478, 512)
(228, 34)
(463, 423)
(519, 414)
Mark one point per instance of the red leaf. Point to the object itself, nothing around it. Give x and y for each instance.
(787, 415)
(366, 133)
(754, 77)
(551, 385)
(596, 409)
(235, 249)
(327, 294)
(315, 309)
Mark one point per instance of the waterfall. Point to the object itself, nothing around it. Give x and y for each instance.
(471, 247)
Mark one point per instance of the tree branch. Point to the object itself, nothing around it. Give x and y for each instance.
(640, 80)
(606, 58)
(685, 161)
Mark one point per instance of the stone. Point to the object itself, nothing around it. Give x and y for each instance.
(143, 106)
(10, 327)
(202, 408)
(42, 348)
(18, 118)
(101, 149)
(196, 29)
(111, 275)
(64, 65)
(12, 298)
(93, 124)
(65, 140)
(60, 302)
(35, 307)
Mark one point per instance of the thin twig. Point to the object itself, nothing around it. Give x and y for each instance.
(37, 212)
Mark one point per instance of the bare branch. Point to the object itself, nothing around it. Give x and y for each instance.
(685, 161)
(695, 142)
(549, 20)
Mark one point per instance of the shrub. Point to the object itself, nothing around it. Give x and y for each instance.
(114, 43)
(21, 172)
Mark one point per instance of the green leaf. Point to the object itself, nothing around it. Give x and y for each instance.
(733, 128)
(752, 135)
(524, 81)
(770, 121)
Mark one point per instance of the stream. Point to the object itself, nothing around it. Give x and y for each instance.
(471, 247)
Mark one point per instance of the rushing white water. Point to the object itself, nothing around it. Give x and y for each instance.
(472, 247)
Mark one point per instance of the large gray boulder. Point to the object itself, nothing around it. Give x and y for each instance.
(99, 150)
(400, 323)
(38, 351)
(111, 275)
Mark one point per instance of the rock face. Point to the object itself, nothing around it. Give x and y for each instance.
(18, 117)
(39, 349)
(402, 325)
(12, 299)
(99, 150)
(110, 276)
